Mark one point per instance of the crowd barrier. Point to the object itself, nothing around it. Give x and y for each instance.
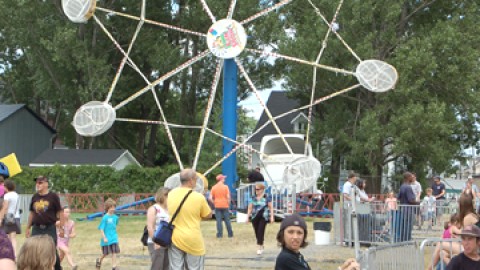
(450, 248)
(395, 256)
(379, 225)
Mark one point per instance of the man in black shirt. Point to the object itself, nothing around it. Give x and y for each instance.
(45, 210)
(439, 193)
(255, 176)
(469, 259)
(405, 216)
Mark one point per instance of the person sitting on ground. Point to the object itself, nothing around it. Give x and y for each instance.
(469, 259)
(38, 252)
(292, 237)
(454, 221)
(467, 217)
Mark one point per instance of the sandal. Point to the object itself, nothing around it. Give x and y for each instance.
(98, 263)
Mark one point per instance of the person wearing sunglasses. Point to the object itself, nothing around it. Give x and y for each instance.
(260, 212)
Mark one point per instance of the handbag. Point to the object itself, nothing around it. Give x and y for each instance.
(9, 219)
(163, 234)
(144, 238)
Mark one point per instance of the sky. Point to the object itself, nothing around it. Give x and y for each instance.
(253, 106)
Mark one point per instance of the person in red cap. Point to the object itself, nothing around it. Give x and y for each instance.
(291, 237)
(469, 259)
(220, 195)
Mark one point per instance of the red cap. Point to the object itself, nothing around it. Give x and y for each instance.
(221, 177)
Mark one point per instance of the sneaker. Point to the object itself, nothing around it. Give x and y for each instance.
(75, 267)
(259, 252)
(98, 263)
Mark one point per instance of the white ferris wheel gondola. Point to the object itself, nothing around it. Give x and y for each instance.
(79, 11)
(94, 118)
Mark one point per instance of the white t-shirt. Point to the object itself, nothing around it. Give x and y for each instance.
(347, 188)
(362, 195)
(12, 198)
(417, 190)
(429, 202)
(161, 215)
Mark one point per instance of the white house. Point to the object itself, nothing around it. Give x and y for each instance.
(115, 158)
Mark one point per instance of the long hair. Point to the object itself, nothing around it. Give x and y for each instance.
(37, 253)
(161, 195)
(466, 206)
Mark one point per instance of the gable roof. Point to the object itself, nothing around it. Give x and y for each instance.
(104, 157)
(7, 110)
(277, 103)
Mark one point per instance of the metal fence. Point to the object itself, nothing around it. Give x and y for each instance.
(431, 247)
(403, 255)
(379, 225)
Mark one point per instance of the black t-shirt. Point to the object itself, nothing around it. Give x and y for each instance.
(462, 262)
(437, 189)
(289, 260)
(45, 208)
(255, 176)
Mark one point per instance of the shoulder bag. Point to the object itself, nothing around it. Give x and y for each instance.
(163, 234)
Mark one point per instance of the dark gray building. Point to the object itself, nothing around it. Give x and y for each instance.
(294, 123)
(24, 133)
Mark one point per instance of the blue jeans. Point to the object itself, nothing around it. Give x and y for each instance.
(223, 213)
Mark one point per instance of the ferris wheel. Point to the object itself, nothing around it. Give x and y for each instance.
(226, 39)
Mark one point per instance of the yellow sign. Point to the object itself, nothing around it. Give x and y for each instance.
(12, 163)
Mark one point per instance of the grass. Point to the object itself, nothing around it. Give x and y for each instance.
(236, 253)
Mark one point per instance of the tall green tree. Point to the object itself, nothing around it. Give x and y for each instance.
(430, 116)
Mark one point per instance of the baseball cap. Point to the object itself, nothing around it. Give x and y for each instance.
(470, 230)
(221, 177)
(41, 178)
(293, 220)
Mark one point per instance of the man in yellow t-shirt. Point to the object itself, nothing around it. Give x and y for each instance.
(188, 249)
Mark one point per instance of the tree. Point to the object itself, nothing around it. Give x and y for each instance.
(429, 117)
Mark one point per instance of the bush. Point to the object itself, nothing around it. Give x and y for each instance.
(93, 179)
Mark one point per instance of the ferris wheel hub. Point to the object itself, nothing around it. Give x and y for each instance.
(226, 38)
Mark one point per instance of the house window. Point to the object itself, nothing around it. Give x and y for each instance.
(300, 127)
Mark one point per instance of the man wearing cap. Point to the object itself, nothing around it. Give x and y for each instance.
(469, 259)
(220, 195)
(45, 210)
(292, 236)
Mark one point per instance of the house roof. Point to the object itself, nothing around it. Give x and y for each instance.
(277, 103)
(81, 156)
(7, 110)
